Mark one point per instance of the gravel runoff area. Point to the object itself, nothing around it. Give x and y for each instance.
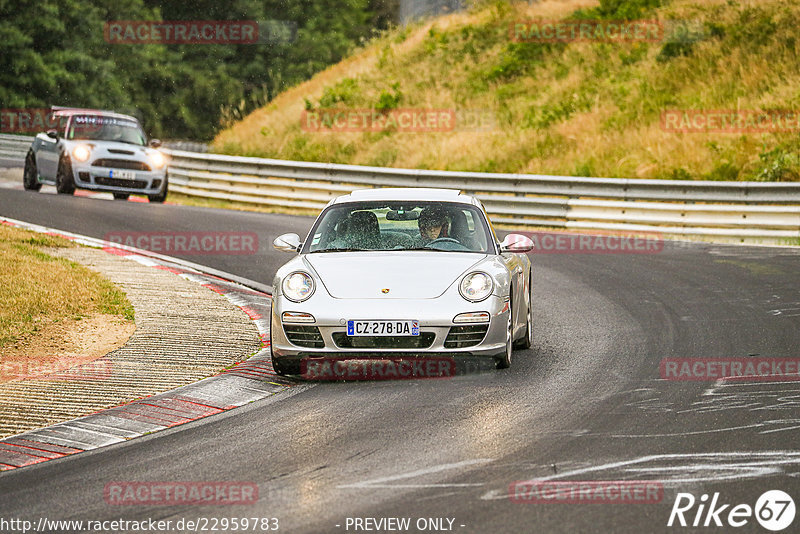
(184, 332)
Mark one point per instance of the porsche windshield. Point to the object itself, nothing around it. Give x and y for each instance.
(101, 128)
(442, 226)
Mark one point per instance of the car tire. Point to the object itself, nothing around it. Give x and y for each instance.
(527, 341)
(284, 367)
(503, 361)
(160, 197)
(30, 176)
(65, 182)
(121, 196)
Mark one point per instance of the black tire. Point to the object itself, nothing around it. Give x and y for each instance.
(30, 176)
(284, 367)
(160, 197)
(527, 341)
(121, 196)
(65, 182)
(503, 361)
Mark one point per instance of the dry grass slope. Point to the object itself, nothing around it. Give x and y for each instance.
(581, 108)
(38, 291)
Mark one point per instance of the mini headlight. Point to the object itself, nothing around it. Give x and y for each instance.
(476, 286)
(298, 286)
(156, 159)
(81, 152)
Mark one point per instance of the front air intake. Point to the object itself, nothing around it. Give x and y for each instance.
(465, 336)
(304, 336)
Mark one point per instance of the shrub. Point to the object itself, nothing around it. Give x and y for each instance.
(777, 165)
(344, 91)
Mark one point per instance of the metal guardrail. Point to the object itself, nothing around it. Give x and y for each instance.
(761, 212)
(755, 212)
(189, 146)
(14, 146)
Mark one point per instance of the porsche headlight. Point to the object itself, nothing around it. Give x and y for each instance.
(157, 159)
(476, 286)
(298, 286)
(81, 152)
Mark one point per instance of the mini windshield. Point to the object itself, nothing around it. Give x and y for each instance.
(101, 128)
(441, 226)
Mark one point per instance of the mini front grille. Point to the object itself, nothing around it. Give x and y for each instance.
(121, 164)
(304, 336)
(118, 151)
(465, 336)
(422, 341)
(118, 182)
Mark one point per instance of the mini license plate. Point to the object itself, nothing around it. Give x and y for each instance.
(382, 328)
(125, 175)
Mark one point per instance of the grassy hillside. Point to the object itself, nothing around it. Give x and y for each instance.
(577, 108)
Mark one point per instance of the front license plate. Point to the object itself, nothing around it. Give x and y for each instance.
(125, 175)
(382, 328)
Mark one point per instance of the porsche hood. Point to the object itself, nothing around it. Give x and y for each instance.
(406, 275)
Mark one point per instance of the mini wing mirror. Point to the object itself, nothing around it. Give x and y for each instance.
(516, 243)
(52, 134)
(155, 143)
(287, 243)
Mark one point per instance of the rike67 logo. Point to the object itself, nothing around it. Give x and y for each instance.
(774, 510)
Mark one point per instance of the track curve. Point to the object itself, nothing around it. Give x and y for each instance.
(586, 402)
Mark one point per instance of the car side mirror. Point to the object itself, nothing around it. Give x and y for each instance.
(155, 143)
(287, 243)
(516, 243)
(52, 134)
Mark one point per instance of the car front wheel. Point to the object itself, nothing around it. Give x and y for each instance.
(285, 366)
(30, 176)
(504, 360)
(65, 183)
(160, 197)
(527, 340)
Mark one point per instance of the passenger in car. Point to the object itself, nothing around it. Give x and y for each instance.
(359, 231)
(459, 229)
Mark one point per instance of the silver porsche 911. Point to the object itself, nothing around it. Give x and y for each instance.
(406, 272)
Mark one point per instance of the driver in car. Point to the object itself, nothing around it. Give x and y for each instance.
(432, 225)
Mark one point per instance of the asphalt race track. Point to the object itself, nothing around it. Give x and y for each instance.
(586, 403)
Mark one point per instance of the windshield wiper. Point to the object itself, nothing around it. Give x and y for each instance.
(429, 249)
(338, 250)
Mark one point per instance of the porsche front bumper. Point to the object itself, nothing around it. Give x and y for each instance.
(327, 336)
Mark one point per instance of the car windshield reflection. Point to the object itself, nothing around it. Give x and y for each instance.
(415, 226)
